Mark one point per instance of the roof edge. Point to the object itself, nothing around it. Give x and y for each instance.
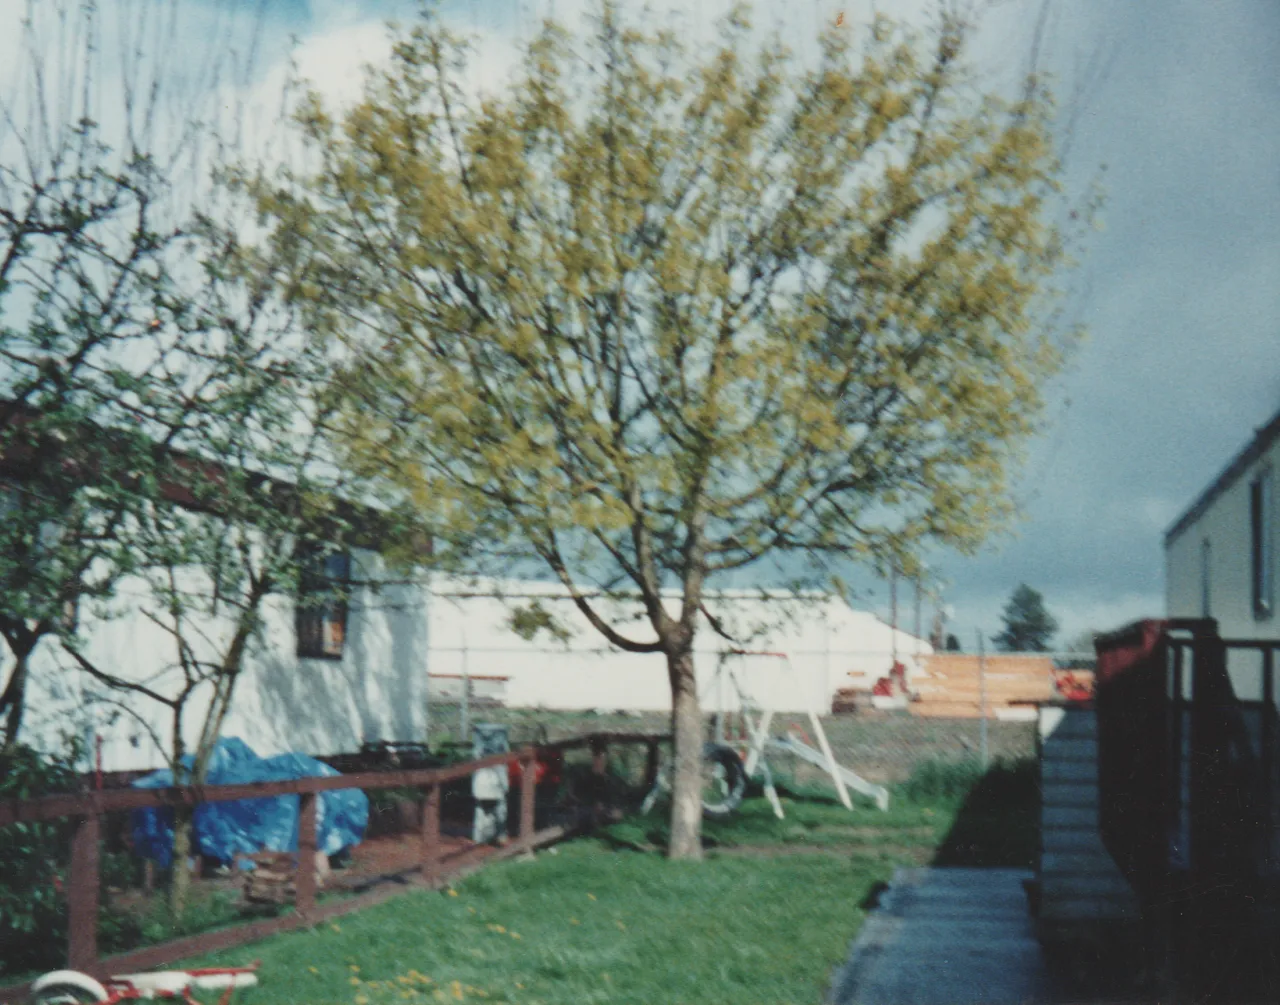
(1263, 437)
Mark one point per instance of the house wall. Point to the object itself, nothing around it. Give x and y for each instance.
(1225, 525)
(829, 646)
(377, 690)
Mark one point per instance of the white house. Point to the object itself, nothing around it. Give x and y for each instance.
(826, 644)
(1220, 556)
(1221, 560)
(316, 683)
(318, 678)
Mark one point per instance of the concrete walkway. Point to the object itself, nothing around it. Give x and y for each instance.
(945, 936)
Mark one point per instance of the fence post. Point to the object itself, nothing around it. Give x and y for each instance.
(599, 764)
(651, 765)
(82, 936)
(431, 835)
(528, 793)
(1268, 745)
(305, 878)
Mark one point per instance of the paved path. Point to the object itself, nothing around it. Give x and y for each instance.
(947, 937)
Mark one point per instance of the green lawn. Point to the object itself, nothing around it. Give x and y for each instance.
(763, 920)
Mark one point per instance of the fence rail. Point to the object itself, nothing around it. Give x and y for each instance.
(432, 867)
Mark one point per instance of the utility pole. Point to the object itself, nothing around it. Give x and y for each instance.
(917, 627)
(982, 697)
(893, 611)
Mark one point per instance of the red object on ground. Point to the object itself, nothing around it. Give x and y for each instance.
(548, 769)
(894, 684)
(1072, 688)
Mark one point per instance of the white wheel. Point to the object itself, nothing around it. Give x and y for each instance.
(67, 987)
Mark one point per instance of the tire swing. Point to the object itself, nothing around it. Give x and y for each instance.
(724, 782)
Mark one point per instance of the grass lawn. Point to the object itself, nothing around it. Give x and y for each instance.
(762, 921)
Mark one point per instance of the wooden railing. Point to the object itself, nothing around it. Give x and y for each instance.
(432, 868)
(1189, 780)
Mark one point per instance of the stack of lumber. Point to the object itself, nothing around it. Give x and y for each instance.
(950, 685)
(272, 879)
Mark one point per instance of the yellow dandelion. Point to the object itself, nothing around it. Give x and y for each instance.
(313, 970)
(515, 935)
(362, 1000)
(591, 896)
(335, 928)
(452, 892)
(355, 982)
(353, 968)
(519, 985)
(456, 988)
(499, 929)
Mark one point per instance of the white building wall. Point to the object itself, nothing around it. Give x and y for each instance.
(1225, 524)
(829, 647)
(377, 690)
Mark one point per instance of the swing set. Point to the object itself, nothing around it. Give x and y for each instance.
(732, 759)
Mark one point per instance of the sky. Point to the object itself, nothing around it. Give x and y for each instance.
(1180, 290)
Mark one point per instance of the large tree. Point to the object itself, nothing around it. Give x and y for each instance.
(647, 318)
(1028, 625)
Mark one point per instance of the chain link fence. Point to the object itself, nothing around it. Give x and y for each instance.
(884, 746)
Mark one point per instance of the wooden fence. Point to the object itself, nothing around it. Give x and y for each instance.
(432, 869)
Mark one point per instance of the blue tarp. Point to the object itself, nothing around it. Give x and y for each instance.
(245, 826)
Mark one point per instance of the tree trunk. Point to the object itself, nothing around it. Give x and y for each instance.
(686, 728)
(180, 878)
(14, 699)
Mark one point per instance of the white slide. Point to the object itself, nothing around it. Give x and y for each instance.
(850, 778)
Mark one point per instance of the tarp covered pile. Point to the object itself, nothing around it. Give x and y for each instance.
(245, 826)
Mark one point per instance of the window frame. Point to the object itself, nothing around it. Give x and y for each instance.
(321, 612)
(1262, 544)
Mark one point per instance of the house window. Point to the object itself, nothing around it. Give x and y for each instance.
(1205, 610)
(322, 604)
(1261, 544)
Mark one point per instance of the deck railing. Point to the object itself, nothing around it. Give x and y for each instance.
(434, 865)
(1189, 773)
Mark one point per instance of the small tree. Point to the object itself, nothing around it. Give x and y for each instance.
(647, 320)
(1028, 626)
(91, 219)
(247, 499)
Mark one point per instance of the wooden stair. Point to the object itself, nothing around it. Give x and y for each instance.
(1081, 890)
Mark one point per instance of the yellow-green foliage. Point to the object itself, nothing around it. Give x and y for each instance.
(690, 308)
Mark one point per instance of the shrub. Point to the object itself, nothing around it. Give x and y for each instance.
(33, 861)
(940, 779)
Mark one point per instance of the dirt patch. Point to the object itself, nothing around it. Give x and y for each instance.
(874, 833)
(917, 856)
